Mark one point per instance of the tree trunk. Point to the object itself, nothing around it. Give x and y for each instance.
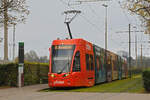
(5, 31)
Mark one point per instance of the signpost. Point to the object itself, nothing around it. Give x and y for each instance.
(21, 65)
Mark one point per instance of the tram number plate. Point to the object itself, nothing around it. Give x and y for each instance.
(58, 82)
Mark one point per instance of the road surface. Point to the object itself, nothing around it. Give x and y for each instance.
(31, 93)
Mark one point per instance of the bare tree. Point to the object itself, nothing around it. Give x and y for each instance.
(31, 56)
(141, 8)
(11, 11)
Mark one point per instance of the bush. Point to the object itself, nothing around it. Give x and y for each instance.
(146, 80)
(136, 71)
(8, 74)
(34, 73)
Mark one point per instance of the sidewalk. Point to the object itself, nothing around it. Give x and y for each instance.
(31, 93)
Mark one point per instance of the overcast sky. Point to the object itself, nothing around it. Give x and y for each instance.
(46, 23)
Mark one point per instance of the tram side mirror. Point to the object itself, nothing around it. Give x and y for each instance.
(77, 54)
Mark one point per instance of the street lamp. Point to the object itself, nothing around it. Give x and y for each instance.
(14, 29)
(107, 73)
(104, 5)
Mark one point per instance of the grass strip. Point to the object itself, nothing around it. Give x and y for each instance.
(131, 85)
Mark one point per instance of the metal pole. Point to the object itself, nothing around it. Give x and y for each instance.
(106, 40)
(106, 29)
(14, 28)
(129, 51)
(141, 56)
(136, 48)
(21, 65)
(105, 26)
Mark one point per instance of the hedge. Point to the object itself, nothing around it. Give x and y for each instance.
(8, 74)
(136, 71)
(146, 80)
(34, 73)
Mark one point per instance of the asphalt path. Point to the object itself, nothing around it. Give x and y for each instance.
(32, 93)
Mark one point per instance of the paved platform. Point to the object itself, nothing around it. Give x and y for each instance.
(31, 93)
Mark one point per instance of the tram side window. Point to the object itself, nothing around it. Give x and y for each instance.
(89, 62)
(76, 62)
(98, 62)
(92, 63)
(101, 64)
(115, 63)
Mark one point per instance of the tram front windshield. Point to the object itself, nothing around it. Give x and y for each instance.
(62, 58)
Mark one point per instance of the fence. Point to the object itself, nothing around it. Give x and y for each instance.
(34, 73)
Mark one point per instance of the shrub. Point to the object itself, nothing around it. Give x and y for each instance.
(146, 80)
(136, 71)
(34, 73)
(8, 74)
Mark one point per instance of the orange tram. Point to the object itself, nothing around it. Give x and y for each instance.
(77, 63)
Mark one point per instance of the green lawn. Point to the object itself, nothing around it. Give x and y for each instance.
(132, 85)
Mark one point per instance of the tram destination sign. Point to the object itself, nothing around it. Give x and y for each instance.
(64, 47)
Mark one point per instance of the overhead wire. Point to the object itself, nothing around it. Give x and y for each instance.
(96, 26)
(87, 20)
(84, 17)
(99, 28)
(115, 42)
(120, 37)
(63, 2)
(123, 11)
(91, 23)
(128, 18)
(93, 11)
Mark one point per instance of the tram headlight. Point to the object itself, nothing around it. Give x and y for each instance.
(52, 75)
(65, 75)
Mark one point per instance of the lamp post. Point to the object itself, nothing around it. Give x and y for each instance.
(104, 5)
(14, 28)
(107, 73)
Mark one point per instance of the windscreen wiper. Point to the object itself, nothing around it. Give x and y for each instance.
(63, 68)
